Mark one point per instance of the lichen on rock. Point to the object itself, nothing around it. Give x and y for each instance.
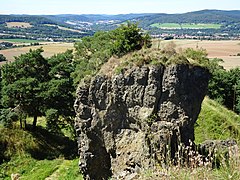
(127, 122)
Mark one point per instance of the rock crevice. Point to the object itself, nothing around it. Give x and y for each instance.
(125, 122)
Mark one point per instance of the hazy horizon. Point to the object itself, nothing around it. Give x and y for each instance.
(122, 13)
(112, 7)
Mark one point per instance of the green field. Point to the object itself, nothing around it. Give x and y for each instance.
(20, 40)
(185, 26)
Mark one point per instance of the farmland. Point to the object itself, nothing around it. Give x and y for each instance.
(226, 50)
(18, 25)
(185, 26)
(19, 40)
(49, 50)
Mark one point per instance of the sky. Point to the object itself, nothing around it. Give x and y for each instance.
(112, 6)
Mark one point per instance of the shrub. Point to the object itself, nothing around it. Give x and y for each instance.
(7, 117)
(52, 117)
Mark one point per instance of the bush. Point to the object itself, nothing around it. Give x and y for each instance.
(2, 58)
(7, 117)
(52, 117)
(92, 52)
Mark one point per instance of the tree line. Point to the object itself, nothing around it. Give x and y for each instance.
(224, 86)
(34, 86)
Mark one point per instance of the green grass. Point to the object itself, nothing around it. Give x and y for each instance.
(39, 155)
(216, 122)
(20, 40)
(39, 144)
(69, 170)
(185, 26)
(29, 168)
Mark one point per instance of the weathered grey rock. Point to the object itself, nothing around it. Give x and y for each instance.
(129, 121)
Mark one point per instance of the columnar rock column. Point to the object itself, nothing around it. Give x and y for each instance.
(126, 122)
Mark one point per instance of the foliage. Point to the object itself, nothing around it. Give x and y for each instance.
(224, 87)
(58, 92)
(92, 52)
(32, 84)
(128, 38)
(7, 117)
(22, 81)
(197, 56)
(52, 117)
(2, 58)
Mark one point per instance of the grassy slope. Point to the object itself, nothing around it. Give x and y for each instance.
(216, 122)
(29, 168)
(37, 155)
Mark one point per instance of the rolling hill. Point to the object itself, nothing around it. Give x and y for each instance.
(210, 22)
(203, 16)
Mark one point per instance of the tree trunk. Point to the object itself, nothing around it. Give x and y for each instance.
(21, 123)
(25, 124)
(34, 122)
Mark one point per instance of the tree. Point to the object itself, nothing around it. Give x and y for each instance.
(94, 51)
(224, 86)
(129, 38)
(22, 83)
(58, 92)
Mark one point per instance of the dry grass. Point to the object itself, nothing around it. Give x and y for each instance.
(109, 67)
(49, 50)
(226, 50)
(197, 169)
(18, 25)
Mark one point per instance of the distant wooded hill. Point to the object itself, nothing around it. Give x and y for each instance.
(204, 16)
(156, 23)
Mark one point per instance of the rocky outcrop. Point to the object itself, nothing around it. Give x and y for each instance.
(131, 121)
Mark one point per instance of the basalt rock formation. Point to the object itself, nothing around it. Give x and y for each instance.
(128, 122)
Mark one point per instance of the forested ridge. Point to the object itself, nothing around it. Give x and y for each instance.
(226, 21)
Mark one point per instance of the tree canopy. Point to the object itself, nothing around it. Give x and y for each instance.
(94, 51)
(32, 84)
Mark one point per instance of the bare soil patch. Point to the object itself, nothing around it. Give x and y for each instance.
(18, 25)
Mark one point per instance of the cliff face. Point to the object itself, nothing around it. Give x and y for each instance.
(129, 121)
